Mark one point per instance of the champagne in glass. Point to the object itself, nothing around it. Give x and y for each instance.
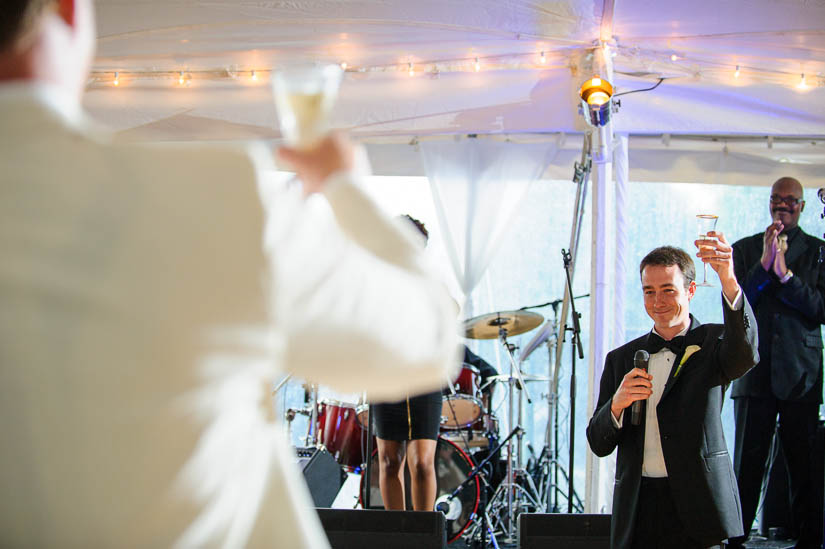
(304, 97)
(706, 223)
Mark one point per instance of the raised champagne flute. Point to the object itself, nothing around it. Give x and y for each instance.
(706, 223)
(304, 97)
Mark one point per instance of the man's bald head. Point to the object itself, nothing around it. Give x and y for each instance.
(788, 184)
(787, 201)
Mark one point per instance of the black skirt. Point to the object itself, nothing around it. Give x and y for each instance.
(398, 421)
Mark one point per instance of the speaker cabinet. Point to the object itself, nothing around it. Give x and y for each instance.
(360, 528)
(563, 531)
(323, 475)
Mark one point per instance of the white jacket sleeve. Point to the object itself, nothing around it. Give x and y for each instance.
(357, 305)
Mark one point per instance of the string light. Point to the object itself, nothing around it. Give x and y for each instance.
(514, 61)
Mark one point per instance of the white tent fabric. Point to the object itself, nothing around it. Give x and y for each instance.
(695, 46)
(477, 184)
(726, 160)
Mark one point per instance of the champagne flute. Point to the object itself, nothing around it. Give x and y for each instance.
(304, 97)
(705, 224)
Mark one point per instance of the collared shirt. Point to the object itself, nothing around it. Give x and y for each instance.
(660, 366)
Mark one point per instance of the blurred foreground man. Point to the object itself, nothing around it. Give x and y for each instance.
(145, 310)
(674, 479)
(782, 274)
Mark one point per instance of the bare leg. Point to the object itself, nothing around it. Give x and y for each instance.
(391, 460)
(421, 460)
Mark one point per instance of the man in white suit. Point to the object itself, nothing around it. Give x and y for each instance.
(146, 308)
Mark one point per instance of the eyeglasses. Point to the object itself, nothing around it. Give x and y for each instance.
(788, 200)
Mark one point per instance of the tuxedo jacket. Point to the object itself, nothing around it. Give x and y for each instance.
(789, 317)
(699, 467)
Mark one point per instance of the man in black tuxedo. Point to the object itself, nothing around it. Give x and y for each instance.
(674, 485)
(782, 275)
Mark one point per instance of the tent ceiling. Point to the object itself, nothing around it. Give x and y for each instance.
(772, 41)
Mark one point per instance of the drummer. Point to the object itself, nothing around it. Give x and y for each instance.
(406, 432)
(486, 370)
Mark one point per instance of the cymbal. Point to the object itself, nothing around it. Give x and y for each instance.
(514, 322)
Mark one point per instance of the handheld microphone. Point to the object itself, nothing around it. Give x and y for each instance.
(640, 360)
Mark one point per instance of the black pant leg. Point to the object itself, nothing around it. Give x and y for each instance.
(755, 424)
(657, 520)
(797, 431)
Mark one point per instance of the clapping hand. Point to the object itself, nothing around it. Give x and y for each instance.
(770, 245)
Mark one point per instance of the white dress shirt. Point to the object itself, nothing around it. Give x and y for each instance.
(660, 367)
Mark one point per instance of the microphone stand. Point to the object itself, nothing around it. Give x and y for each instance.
(576, 340)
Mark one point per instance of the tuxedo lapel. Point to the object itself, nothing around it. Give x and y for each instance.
(693, 337)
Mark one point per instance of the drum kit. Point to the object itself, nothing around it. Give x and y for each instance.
(482, 482)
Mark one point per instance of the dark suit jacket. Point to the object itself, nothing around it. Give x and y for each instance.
(789, 317)
(699, 468)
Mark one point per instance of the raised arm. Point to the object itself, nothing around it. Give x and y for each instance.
(360, 306)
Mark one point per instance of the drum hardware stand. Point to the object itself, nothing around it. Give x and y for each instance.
(513, 488)
(281, 384)
(477, 471)
(311, 438)
(550, 490)
(547, 465)
(575, 339)
(368, 457)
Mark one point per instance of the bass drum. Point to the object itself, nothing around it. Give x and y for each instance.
(452, 467)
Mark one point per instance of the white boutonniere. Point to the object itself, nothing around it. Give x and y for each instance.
(689, 350)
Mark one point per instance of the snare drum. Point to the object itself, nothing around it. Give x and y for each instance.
(341, 434)
(363, 411)
(462, 409)
(477, 436)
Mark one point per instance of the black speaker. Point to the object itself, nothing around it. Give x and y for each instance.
(359, 528)
(563, 531)
(322, 473)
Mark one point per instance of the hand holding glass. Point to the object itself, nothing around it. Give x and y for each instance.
(304, 97)
(705, 224)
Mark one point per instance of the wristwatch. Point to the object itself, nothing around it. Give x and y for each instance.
(787, 277)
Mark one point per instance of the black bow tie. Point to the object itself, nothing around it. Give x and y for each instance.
(655, 344)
